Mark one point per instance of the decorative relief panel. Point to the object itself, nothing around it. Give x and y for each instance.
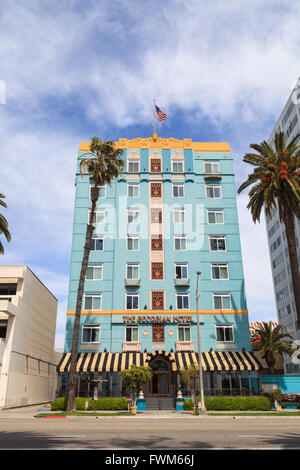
(157, 300)
(155, 165)
(155, 189)
(156, 216)
(157, 271)
(156, 243)
(158, 333)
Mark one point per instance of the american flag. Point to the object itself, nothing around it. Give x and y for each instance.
(160, 115)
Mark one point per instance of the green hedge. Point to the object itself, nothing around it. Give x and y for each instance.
(233, 403)
(101, 404)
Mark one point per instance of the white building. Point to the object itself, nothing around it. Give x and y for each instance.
(28, 361)
(289, 123)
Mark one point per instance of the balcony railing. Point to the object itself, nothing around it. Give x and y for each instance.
(132, 346)
(212, 175)
(132, 282)
(182, 281)
(185, 346)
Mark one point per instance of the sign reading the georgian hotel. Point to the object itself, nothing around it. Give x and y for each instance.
(158, 319)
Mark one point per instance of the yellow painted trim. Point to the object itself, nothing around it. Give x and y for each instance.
(155, 313)
(155, 142)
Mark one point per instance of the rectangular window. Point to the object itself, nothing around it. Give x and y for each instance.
(133, 190)
(222, 300)
(132, 271)
(133, 166)
(182, 301)
(133, 243)
(215, 216)
(8, 289)
(133, 216)
(213, 191)
(181, 270)
(94, 272)
(132, 333)
(180, 242)
(178, 189)
(102, 191)
(212, 167)
(217, 242)
(178, 216)
(177, 166)
(219, 271)
(97, 244)
(92, 302)
(184, 333)
(91, 334)
(132, 301)
(224, 332)
(99, 216)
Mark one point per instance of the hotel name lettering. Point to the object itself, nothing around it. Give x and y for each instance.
(158, 319)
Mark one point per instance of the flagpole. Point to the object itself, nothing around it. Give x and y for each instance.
(154, 117)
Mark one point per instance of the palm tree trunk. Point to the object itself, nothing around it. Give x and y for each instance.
(74, 352)
(288, 219)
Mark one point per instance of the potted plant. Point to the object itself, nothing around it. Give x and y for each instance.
(277, 396)
(133, 379)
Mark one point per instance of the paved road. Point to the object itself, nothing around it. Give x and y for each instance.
(20, 430)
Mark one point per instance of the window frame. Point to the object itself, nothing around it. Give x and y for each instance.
(215, 211)
(133, 210)
(219, 265)
(184, 327)
(182, 294)
(132, 327)
(210, 237)
(209, 186)
(212, 162)
(176, 161)
(222, 294)
(182, 212)
(97, 238)
(182, 265)
(94, 266)
(135, 185)
(133, 265)
(93, 296)
(100, 187)
(180, 237)
(91, 327)
(135, 237)
(133, 161)
(181, 185)
(224, 326)
(132, 294)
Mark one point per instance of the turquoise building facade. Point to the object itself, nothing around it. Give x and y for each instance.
(171, 214)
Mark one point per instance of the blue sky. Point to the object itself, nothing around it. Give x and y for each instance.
(222, 71)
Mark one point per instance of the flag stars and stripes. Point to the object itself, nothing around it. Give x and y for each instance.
(160, 115)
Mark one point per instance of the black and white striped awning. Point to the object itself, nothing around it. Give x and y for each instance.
(115, 362)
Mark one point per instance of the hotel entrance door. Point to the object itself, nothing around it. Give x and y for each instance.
(160, 383)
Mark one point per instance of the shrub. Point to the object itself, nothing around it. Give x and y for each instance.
(60, 404)
(232, 404)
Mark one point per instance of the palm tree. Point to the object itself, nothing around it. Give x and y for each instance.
(276, 180)
(269, 342)
(3, 225)
(103, 164)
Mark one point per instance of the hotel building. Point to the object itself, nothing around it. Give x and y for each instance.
(289, 123)
(171, 213)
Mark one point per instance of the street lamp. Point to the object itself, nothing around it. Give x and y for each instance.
(202, 409)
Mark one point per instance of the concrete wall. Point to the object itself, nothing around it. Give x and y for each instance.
(28, 372)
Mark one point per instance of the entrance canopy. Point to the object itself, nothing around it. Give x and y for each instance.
(115, 362)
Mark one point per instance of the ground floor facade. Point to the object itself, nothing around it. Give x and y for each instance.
(233, 373)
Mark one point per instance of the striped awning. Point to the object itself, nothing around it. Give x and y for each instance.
(115, 362)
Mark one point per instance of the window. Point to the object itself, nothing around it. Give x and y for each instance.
(219, 271)
(178, 189)
(133, 216)
(99, 216)
(133, 166)
(180, 242)
(133, 242)
(133, 190)
(212, 166)
(132, 271)
(177, 166)
(276, 244)
(91, 334)
(8, 289)
(132, 301)
(213, 191)
(132, 333)
(97, 244)
(222, 300)
(182, 301)
(181, 270)
(102, 190)
(184, 333)
(224, 332)
(217, 242)
(215, 216)
(94, 272)
(92, 302)
(178, 216)
(282, 294)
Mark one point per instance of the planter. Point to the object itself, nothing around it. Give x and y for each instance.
(133, 409)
